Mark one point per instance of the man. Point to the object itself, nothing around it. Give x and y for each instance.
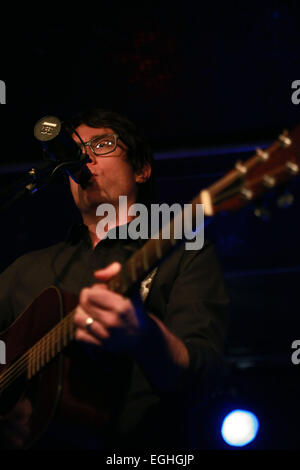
(172, 343)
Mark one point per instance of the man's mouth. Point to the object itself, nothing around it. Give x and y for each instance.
(92, 179)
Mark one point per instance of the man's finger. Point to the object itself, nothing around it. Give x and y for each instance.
(107, 273)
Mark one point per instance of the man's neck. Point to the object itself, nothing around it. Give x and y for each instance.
(92, 221)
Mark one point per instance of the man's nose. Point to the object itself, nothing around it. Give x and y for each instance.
(92, 157)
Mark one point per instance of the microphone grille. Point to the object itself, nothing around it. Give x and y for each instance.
(47, 128)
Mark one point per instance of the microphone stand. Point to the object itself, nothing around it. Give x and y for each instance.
(39, 178)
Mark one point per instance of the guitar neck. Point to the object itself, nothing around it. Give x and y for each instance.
(245, 182)
(154, 250)
(133, 271)
(50, 345)
(41, 353)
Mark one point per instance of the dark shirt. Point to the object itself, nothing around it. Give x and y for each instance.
(187, 294)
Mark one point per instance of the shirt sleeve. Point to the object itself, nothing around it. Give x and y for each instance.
(197, 312)
(188, 295)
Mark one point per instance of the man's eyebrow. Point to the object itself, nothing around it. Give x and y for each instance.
(94, 136)
(101, 135)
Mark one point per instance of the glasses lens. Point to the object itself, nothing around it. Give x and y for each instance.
(104, 145)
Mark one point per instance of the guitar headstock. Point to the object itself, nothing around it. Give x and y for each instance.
(250, 179)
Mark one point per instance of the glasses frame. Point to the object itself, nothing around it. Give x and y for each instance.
(89, 144)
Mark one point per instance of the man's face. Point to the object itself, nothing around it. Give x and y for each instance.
(112, 174)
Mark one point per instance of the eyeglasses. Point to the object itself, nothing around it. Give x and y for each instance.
(102, 145)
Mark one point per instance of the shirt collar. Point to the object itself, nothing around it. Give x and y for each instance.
(79, 232)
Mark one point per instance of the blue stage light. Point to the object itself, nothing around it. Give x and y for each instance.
(239, 428)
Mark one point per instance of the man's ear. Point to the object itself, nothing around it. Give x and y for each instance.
(144, 174)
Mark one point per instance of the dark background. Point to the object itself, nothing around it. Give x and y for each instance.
(207, 83)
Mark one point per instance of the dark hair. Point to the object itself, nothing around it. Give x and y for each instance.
(139, 152)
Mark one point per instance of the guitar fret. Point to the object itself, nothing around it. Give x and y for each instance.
(52, 351)
(33, 365)
(64, 333)
(274, 165)
(56, 340)
(37, 360)
(53, 343)
(29, 368)
(44, 352)
(40, 353)
(47, 348)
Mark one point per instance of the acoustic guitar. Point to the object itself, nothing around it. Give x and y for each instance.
(44, 364)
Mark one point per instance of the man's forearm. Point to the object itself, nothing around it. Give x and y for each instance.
(162, 356)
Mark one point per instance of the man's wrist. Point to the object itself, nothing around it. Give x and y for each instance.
(144, 339)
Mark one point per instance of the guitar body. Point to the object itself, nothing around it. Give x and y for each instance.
(66, 392)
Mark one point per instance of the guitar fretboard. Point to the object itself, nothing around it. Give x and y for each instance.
(50, 345)
(152, 252)
(133, 271)
(246, 181)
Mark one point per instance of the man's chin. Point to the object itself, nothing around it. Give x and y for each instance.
(93, 198)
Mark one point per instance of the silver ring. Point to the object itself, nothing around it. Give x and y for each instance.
(88, 323)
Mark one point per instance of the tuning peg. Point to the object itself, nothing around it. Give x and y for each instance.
(284, 139)
(286, 200)
(262, 213)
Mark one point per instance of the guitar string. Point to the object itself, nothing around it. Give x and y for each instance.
(42, 349)
(30, 355)
(29, 360)
(42, 346)
(34, 353)
(34, 359)
(57, 338)
(51, 344)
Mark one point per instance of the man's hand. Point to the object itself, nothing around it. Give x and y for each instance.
(115, 322)
(118, 324)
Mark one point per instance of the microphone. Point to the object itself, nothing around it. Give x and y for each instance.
(58, 146)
